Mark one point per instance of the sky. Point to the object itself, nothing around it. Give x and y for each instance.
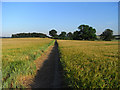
(60, 0)
(18, 17)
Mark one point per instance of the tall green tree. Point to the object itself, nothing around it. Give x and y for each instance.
(70, 36)
(76, 35)
(86, 32)
(63, 35)
(53, 33)
(107, 35)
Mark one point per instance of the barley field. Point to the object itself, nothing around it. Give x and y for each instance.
(92, 64)
(18, 55)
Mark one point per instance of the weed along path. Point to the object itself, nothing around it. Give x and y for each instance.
(48, 72)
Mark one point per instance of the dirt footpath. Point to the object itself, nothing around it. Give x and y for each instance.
(48, 70)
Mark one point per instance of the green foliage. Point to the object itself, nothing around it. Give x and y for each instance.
(76, 35)
(13, 69)
(86, 32)
(23, 35)
(53, 33)
(70, 36)
(62, 35)
(107, 35)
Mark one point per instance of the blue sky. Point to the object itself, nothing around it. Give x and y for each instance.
(63, 16)
(60, 0)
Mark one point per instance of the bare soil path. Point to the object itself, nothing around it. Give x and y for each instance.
(48, 70)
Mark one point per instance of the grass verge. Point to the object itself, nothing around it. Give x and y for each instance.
(21, 62)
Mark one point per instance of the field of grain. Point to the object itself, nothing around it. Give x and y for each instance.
(18, 55)
(92, 64)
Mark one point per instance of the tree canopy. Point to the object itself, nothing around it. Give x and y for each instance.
(70, 36)
(23, 35)
(62, 35)
(53, 33)
(86, 32)
(76, 35)
(107, 35)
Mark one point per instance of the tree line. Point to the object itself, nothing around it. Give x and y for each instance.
(34, 34)
(84, 32)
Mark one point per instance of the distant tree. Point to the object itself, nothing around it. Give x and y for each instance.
(23, 35)
(53, 33)
(86, 32)
(76, 35)
(62, 35)
(56, 37)
(107, 35)
(70, 36)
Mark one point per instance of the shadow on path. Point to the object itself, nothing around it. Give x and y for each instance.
(49, 75)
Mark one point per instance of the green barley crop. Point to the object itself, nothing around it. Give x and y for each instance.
(18, 55)
(89, 64)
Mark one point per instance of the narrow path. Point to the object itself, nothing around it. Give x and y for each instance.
(48, 74)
